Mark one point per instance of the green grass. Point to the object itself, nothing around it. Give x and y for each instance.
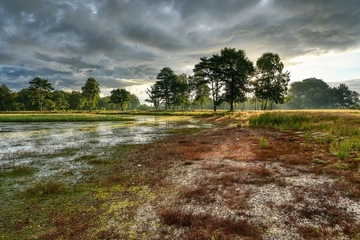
(341, 149)
(60, 118)
(280, 121)
(340, 129)
(262, 142)
(103, 115)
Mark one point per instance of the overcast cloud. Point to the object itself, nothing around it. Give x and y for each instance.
(125, 43)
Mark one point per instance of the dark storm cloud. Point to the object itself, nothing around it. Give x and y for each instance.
(16, 72)
(117, 41)
(74, 62)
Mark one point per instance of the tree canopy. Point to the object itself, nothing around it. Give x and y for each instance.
(40, 90)
(120, 97)
(91, 92)
(313, 93)
(271, 83)
(235, 71)
(207, 70)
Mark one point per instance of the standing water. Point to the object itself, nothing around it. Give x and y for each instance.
(52, 148)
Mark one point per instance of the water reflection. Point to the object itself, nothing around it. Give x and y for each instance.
(19, 139)
(53, 148)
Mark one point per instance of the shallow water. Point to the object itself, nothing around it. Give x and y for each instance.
(52, 147)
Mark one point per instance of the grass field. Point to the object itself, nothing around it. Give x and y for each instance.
(60, 117)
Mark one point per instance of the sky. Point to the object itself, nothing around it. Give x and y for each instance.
(125, 43)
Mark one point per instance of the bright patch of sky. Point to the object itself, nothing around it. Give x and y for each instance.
(331, 67)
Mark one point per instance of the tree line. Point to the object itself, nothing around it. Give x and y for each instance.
(228, 78)
(231, 78)
(40, 95)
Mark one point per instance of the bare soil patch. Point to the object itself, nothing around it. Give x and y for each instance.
(221, 184)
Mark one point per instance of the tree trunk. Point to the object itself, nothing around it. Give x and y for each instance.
(231, 106)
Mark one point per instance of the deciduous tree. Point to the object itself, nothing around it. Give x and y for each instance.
(180, 91)
(271, 83)
(120, 97)
(76, 100)
(7, 98)
(199, 89)
(61, 100)
(134, 102)
(310, 93)
(40, 90)
(235, 70)
(207, 69)
(154, 95)
(91, 92)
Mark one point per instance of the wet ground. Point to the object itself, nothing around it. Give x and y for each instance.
(53, 148)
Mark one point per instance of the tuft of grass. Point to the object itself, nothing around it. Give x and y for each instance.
(341, 149)
(262, 142)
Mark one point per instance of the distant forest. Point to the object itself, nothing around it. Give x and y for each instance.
(228, 80)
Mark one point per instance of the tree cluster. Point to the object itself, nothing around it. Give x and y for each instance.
(40, 95)
(314, 93)
(226, 77)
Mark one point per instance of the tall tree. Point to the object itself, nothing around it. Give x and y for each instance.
(208, 70)
(154, 95)
(7, 98)
(271, 83)
(91, 92)
(134, 102)
(76, 100)
(120, 97)
(40, 89)
(235, 71)
(199, 89)
(180, 91)
(345, 98)
(23, 97)
(166, 81)
(61, 100)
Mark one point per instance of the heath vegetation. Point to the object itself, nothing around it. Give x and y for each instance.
(283, 175)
